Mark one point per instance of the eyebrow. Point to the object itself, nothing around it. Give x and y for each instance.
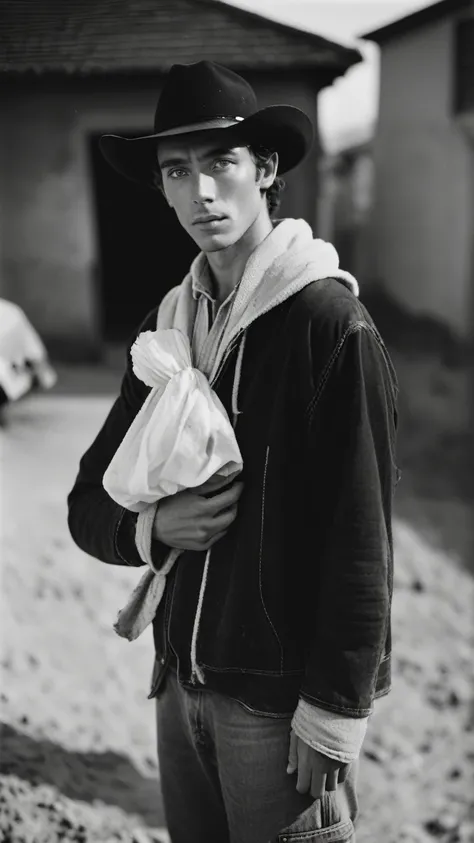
(178, 160)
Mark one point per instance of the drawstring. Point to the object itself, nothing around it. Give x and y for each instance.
(196, 671)
(237, 374)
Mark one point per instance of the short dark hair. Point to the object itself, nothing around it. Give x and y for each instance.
(260, 156)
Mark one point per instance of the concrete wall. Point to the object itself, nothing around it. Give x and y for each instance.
(50, 250)
(50, 246)
(422, 224)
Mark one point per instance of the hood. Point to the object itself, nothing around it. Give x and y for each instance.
(283, 264)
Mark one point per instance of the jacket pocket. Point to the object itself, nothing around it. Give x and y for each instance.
(320, 823)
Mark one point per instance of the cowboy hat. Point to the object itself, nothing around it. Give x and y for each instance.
(207, 96)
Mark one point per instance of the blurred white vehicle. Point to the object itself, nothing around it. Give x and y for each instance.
(23, 357)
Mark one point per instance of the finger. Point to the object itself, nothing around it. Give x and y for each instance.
(303, 783)
(217, 482)
(213, 529)
(343, 771)
(318, 784)
(203, 544)
(292, 754)
(211, 485)
(225, 499)
(223, 520)
(331, 779)
(232, 477)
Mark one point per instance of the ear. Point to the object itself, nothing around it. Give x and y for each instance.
(266, 173)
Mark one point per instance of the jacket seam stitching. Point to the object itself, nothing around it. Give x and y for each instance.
(352, 328)
(362, 712)
(382, 692)
(260, 559)
(117, 549)
(250, 670)
(275, 715)
(394, 396)
(325, 833)
(167, 617)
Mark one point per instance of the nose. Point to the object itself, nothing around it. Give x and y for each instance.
(204, 189)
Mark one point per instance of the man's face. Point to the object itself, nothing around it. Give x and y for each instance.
(215, 190)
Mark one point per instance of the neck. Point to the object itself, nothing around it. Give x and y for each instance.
(227, 265)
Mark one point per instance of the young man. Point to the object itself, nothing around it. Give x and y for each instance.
(268, 661)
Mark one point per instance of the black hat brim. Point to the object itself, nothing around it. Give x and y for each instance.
(283, 128)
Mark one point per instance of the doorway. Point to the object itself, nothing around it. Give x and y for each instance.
(143, 251)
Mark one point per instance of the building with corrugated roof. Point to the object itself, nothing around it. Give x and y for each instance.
(86, 253)
(422, 225)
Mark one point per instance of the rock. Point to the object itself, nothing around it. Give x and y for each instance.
(453, 698)
(442, 825)
(373, 755)
(462, 689)
(425, 747)
(413, 834)
(441, 696)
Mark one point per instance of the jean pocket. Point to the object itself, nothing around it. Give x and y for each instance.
(320, 823)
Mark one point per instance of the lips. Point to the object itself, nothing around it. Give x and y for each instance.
(210, 218)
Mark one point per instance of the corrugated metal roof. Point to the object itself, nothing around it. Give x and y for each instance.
(423, 17)
(112, 36)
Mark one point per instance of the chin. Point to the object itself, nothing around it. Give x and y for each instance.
(215, 242)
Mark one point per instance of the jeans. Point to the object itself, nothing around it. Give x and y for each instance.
(224, 780)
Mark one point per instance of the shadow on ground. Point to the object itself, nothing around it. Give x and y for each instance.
(87, 776)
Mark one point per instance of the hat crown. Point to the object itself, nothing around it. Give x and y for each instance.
(194, 93)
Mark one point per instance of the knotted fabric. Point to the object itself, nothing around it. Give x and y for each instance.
(182, 435)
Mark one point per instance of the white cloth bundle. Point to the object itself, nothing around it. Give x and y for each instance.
(180, 438)
(182, 435)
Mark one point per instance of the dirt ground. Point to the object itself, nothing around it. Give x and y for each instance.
(77, 751)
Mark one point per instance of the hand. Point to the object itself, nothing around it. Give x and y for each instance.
(191, 521)
(316, 772)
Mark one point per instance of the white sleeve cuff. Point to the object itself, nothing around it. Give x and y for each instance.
(335, 735)
(144, 533)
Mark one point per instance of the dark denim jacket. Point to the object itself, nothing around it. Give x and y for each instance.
(299, 591)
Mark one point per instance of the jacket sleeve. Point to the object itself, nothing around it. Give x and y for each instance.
(351, 423)
(98, 525)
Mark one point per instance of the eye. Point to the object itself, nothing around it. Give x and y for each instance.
(177, 173)
(222, 163)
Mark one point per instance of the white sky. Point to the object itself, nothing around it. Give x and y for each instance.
(348, 108)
